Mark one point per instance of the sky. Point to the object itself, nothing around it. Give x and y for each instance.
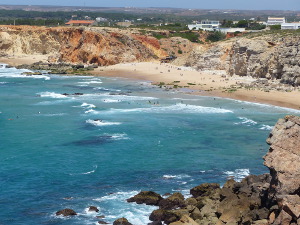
(193, 4)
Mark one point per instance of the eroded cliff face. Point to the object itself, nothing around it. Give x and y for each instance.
(79, 45)
(266, 56)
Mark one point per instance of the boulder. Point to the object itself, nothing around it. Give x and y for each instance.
(172, 202)
(93, 209)
(168, 216)
(204, 189)
(66, 212)
(121, 221)
(147, 197)
(185, 220)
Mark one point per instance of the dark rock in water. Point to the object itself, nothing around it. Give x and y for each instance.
(172, 202)
(66, 212)
(65, 94)
(102, 222)
(78, 93)
(204, 189)
(121, 221)
(93, 209)
(147, 197)
(155, 223)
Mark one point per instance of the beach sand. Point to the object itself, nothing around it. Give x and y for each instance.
(207, 83)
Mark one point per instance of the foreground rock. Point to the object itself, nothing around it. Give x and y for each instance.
(121, 221)
(147, 197)
(262, 200)
(283, 161)
(66, 212)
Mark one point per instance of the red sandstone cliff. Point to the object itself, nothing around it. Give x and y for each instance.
(79, 45)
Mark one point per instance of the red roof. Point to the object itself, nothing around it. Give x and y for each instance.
(80, 22)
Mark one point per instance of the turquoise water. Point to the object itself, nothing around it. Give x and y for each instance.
(118, 138)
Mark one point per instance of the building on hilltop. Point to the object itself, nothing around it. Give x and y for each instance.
(207, 25)
(290, 26)
(275, 21)
(81, 23)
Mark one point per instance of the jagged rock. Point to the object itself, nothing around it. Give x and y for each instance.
(155, 223)
(172, 202)
(121, 221)
(204, 189)
(261, 222)
(284, 155)
(147, 197)
(102, 222)
(66, 212)
(190, 201)
(283, 218)
(185, 220)
(168, 216)
(93, 209)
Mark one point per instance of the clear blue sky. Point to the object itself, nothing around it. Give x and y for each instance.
(200, 4)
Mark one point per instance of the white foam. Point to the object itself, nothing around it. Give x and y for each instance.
(178, 108)
(267, 106)
(101, 123)
(238, 174)
(118, 136)
(110, 100)
(90, 111)
(136, 214)
(91, 82)
(87, 105)
(246, 121)
(54, 114)
(85, 173)
(266, 127)
(49, 94)
(181, 176)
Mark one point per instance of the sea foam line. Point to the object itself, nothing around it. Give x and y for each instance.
(101, 123)
(178, 108)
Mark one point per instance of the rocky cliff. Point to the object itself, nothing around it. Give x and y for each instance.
(79, 45)
(265, 56)
(265, 199)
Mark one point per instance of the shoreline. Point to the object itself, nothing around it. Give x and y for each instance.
(204, 83)
(208, 83)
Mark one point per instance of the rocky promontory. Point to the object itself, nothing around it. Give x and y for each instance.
(264, 199)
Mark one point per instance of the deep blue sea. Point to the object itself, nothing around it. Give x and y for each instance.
(118, 138)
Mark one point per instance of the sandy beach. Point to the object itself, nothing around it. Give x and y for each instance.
(207, 83)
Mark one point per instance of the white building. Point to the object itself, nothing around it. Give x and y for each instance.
(101, 19)
(231, 30)
(275, 21)
(207, 25)
(290, 26)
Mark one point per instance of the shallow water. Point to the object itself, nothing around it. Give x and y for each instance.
(119, 137)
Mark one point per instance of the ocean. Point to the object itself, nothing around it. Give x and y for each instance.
(80, 141)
